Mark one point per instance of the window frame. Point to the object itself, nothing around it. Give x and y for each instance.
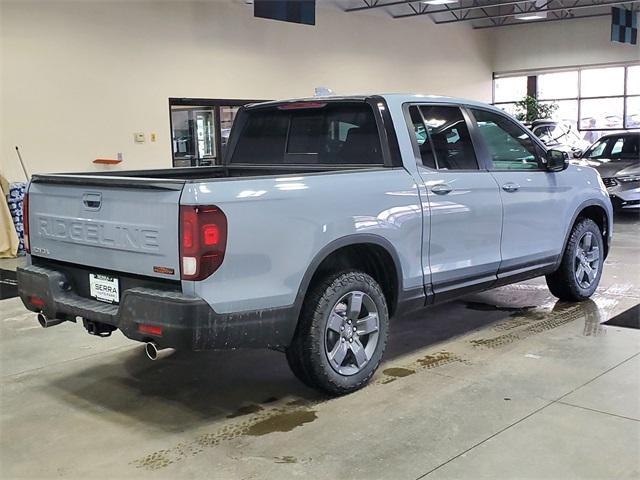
(414, 143)
(483, 148)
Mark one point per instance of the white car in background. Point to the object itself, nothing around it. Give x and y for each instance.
(561, 136)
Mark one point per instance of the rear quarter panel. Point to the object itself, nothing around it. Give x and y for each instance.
(278, 225)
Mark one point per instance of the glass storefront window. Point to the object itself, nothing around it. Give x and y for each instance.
(602, 82)
(510, 108)
(633, 112)
(509, 89)
(558, 85)
(601, 113)
(592, 100)
(567, 111)
(633, 80)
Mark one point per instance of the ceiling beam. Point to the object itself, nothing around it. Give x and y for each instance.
(442, 10)
(535, 10)
(545, 20)
(470, 7)
(368, 6)
(512, 2)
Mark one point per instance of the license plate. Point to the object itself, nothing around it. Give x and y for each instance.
(104, 288)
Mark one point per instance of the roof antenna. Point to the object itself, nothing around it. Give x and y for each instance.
(24, 169)
(322, 92)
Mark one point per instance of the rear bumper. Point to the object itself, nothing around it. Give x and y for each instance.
(187, 322)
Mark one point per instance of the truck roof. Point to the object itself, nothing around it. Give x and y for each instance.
(393, 99)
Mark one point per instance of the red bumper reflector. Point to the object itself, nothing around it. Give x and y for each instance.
(36, 301)
(150, 330)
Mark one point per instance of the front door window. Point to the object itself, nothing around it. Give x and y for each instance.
(510, 146)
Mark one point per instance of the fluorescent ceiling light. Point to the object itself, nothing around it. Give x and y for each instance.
(439, 2)
(537, 11)
(532, 16)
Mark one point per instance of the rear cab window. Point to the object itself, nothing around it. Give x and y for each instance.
(311, 133)
(443, 138)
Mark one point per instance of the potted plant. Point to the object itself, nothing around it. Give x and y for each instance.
(530, 109)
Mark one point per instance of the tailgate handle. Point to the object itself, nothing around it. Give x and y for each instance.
(92, 201)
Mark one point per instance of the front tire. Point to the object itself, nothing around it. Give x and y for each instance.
(581, 268)
(342, 333)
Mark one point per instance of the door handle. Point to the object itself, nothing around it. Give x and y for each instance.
(441, 189)
(92, 201)
(510, 187)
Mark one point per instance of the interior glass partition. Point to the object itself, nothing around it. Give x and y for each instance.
(200, 129)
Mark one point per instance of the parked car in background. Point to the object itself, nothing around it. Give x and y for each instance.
(616, 157)
(613, 121)
(560, 136)
(633, 120)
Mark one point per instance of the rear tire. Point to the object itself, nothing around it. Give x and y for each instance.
(294, 359)
(581, 267)
(342, 333)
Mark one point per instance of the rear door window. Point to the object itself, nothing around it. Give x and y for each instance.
(449, 137)
(329, 134)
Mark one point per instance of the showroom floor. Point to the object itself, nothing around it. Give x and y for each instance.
(505, 384)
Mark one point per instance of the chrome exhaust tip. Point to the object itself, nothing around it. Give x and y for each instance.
(48, 322)
(155, 353)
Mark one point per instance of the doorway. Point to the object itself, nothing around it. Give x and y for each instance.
(200, 129)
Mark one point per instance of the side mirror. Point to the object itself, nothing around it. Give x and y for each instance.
(557, 160)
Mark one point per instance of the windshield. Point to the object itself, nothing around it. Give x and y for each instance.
(547, 133)
(615, 148)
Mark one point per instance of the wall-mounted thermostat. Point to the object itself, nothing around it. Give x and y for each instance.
(138, 137)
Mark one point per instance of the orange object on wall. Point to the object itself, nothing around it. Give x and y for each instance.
(107, 161)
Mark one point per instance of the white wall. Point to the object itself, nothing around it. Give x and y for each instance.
(558, 44)
(78, 78)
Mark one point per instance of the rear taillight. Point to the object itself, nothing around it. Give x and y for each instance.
(25, 222)
(203, 240)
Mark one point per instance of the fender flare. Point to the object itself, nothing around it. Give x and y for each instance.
(593, 202)
(335, 245)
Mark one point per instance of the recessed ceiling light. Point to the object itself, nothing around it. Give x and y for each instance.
(439, 2)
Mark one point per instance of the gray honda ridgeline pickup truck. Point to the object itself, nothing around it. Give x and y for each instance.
(328, 217)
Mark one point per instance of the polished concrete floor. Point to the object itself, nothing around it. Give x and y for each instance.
(509, 383)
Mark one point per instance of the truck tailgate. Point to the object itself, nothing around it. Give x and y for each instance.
(114, 223)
